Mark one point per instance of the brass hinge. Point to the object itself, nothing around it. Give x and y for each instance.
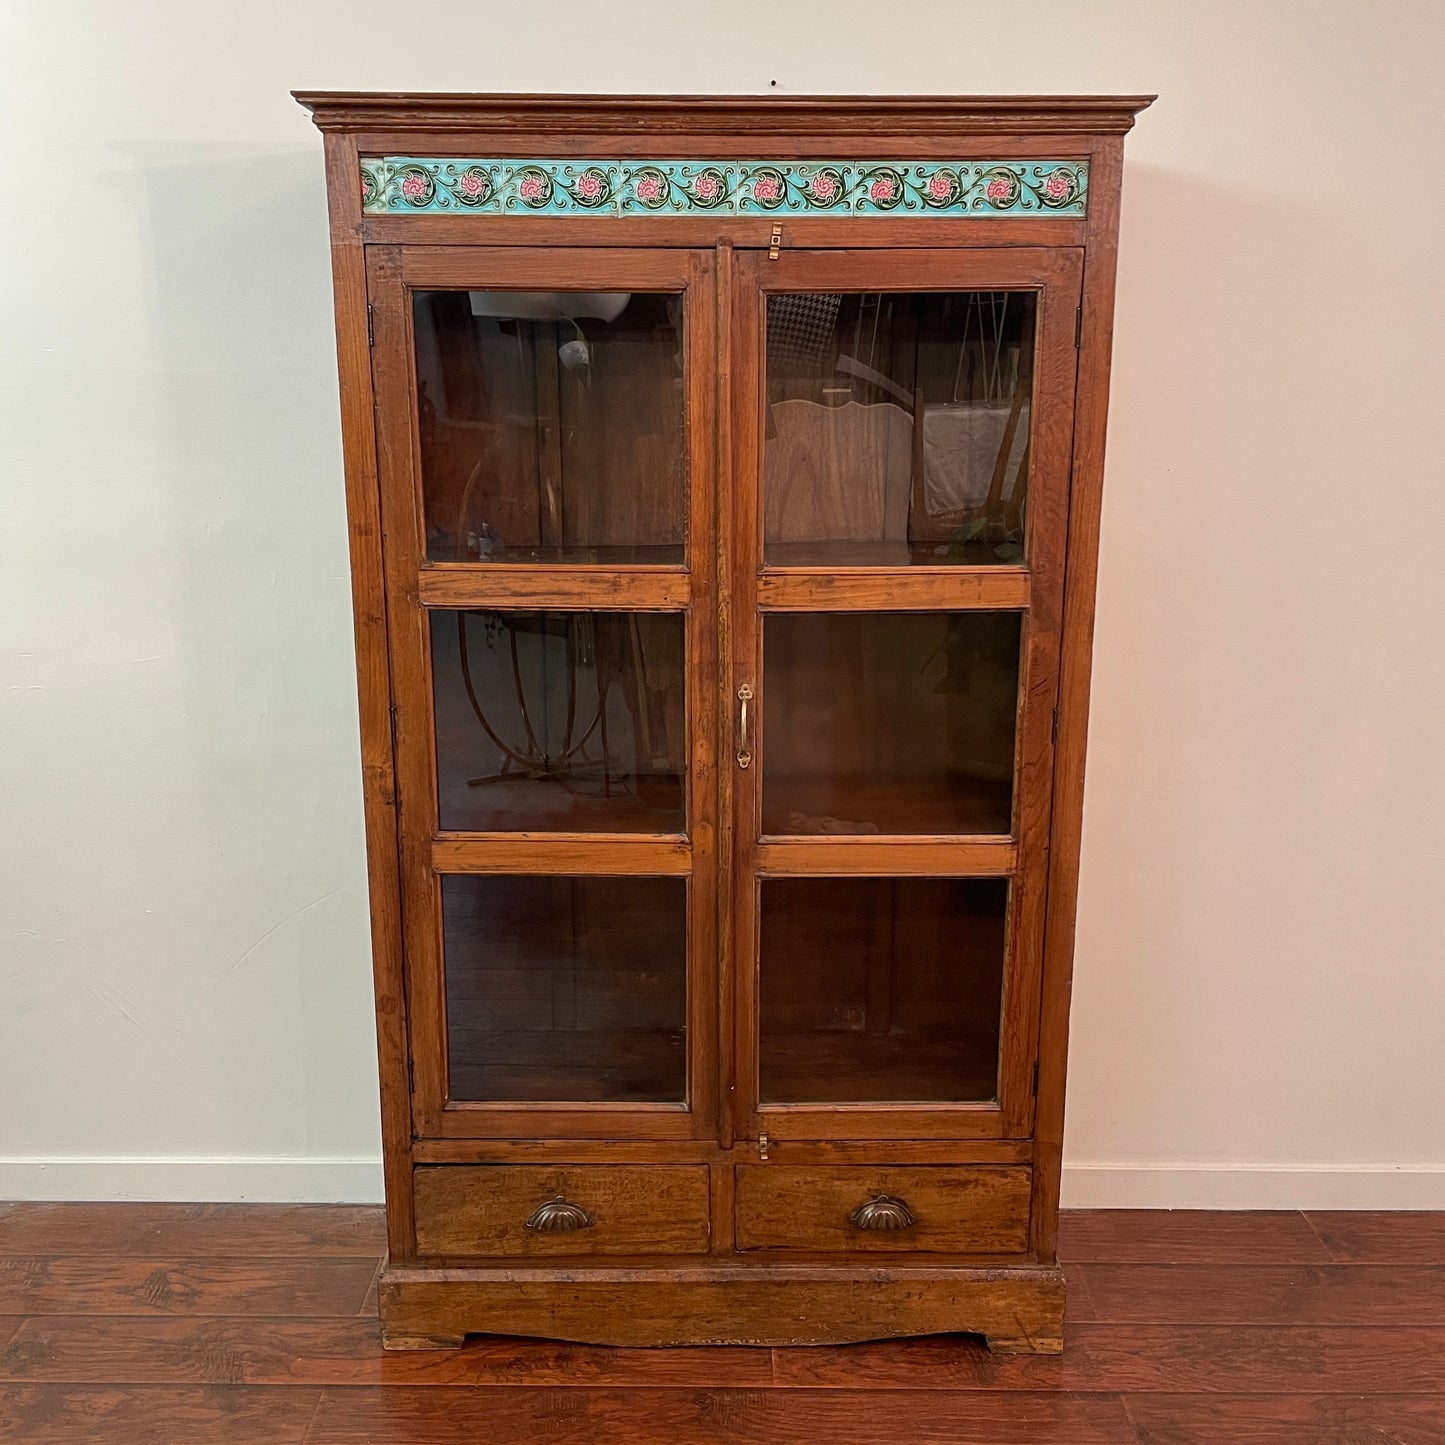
(370, 326)
(762, 1146)
(775, 243)
(1078, 325)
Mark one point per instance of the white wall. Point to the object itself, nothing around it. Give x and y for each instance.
(184, 989)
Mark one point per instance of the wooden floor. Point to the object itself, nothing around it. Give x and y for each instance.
(185, 1324)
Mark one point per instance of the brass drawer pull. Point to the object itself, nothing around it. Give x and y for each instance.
(882, 1212)
(558, 1216)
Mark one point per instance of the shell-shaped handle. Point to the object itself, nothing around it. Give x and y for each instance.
(558, 1216)
(883, 1211)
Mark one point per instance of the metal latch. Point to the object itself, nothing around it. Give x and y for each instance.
(775, 242)
(762, 1146)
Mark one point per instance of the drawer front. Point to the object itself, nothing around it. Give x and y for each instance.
(979, 1209)
(543, 1210)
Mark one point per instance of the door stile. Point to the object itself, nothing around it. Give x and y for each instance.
(415, 585)
(746, 393)
(1056, 361)
(700, 349)
(1033, 591)
(397, 450)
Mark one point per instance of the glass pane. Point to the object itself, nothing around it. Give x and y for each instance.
(559, 720)
(551, 426)
(889, 722)
(897, 428)
(566, 989)
(881, 989)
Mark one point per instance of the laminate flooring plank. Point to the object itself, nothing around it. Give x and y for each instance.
(106, 1415)
(165, 1230)
(1188, 1236)
(705, 1416)
(1291, 1294)
(100, 1285)
(1145, 1359)
(1381, 1236)
(1287, 1419)
(344, 1352)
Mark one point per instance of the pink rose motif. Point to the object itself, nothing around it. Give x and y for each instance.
(472, 184)
(941, 185)
(589, 185)
(999, 189)
(823, 187)
(530, 189)
(649, 188)
(413, 187)
(705, 187)
(765, 188)
(1057, 186)
(881, 189)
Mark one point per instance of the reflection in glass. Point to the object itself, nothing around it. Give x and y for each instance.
(881, 989)
(566, 989)
(897, 428)
(551, 426)
(889, 722)
(559, 720)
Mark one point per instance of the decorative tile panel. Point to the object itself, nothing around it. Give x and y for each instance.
(399, 185)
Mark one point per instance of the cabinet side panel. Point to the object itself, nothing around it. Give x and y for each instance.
(373, 680)
(1081, 572)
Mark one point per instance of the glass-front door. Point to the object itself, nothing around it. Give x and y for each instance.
(546, 425)
(834, 655)
(901, 462)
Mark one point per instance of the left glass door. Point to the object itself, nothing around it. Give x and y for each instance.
(545, 423)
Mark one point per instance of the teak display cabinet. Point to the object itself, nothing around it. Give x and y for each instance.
(724, 480)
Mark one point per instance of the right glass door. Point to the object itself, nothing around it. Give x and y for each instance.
(901, 455)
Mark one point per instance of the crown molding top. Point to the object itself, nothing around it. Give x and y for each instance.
(723, 115)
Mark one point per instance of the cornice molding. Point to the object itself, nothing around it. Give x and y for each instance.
(722, 115)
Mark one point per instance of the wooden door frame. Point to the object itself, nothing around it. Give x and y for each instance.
(414, 586)
(1036, 590)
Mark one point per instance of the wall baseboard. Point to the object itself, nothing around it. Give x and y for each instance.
(1253, 1186)
(357, 1180)
(283, 1179)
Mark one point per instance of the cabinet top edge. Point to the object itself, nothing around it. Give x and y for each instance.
(781, 115)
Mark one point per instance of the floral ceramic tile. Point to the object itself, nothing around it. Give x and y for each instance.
(399, 185)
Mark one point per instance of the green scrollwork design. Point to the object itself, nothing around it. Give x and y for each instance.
(1001, 188)
(939, 187)
(1056, 188)
(472, 187)
(651, 188)
(415, 185)
(767, 187)
(707, 190)
(881, 188)
(531, 187)
(591, 188)
(824, 189)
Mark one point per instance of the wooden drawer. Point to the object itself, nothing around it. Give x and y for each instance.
(978, 1209)
(485, 1209)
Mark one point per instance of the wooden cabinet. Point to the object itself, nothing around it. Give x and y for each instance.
(723, 480)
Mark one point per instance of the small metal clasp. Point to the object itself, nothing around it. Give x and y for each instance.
(775, 243)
